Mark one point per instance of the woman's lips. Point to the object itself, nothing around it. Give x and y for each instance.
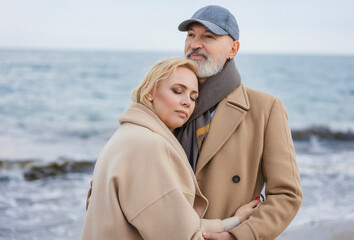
(182, 113)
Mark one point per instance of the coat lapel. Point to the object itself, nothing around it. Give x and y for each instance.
(227, 117)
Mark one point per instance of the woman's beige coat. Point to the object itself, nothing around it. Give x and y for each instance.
(249, 144)
(143, 185)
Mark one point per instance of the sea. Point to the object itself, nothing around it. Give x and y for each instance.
(58, 108)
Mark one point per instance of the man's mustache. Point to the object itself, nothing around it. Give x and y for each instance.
(197, 51)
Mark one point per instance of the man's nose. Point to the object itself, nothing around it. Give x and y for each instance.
(196, 43)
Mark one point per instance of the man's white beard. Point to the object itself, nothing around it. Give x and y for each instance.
(208, 67)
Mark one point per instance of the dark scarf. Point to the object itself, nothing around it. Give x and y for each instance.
(192, 134)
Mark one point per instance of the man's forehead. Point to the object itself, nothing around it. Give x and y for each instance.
(199, 26)
(203, 29)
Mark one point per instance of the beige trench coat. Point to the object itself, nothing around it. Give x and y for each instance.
(143, 185)
(249, 144)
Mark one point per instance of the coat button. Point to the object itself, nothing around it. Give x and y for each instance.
(236, 179)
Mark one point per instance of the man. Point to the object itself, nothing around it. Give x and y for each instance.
(237, 139)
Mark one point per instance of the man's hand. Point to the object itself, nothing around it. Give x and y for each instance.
(218, 236)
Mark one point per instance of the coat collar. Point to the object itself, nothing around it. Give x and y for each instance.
(141, 115)
(227, 117)
(239, 98)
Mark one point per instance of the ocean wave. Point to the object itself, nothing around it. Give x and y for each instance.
(35, 169)
(12, 164)
(323, 133)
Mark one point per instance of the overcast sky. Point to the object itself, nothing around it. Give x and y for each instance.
(272, 26)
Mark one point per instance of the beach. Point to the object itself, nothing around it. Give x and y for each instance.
(323, 230)
(59, 108)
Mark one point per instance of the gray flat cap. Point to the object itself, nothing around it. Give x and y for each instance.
(217, 19)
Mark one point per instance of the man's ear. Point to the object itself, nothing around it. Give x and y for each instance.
(234, 49)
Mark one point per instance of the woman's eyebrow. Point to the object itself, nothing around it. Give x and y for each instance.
(184, 87)
(180, 85)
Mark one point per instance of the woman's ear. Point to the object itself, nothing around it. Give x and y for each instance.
(149, 97)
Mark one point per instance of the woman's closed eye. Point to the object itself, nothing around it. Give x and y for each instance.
(177, 91)
(194, 97)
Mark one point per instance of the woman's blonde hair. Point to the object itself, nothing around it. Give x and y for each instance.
(162, 70)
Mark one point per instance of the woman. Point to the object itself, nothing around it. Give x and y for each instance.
(143, 185)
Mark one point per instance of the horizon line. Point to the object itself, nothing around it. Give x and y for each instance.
(78, 49)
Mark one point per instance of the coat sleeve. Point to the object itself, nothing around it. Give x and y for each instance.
(156, 196)
(281, 175)
(171, 217)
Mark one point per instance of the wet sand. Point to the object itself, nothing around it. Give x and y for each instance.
(322, 230)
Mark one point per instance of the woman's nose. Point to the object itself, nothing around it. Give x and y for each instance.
(186, 101)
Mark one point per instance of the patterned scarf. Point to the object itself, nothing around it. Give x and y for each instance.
(193, 133)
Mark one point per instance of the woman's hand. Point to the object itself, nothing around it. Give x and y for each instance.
(246, 210)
